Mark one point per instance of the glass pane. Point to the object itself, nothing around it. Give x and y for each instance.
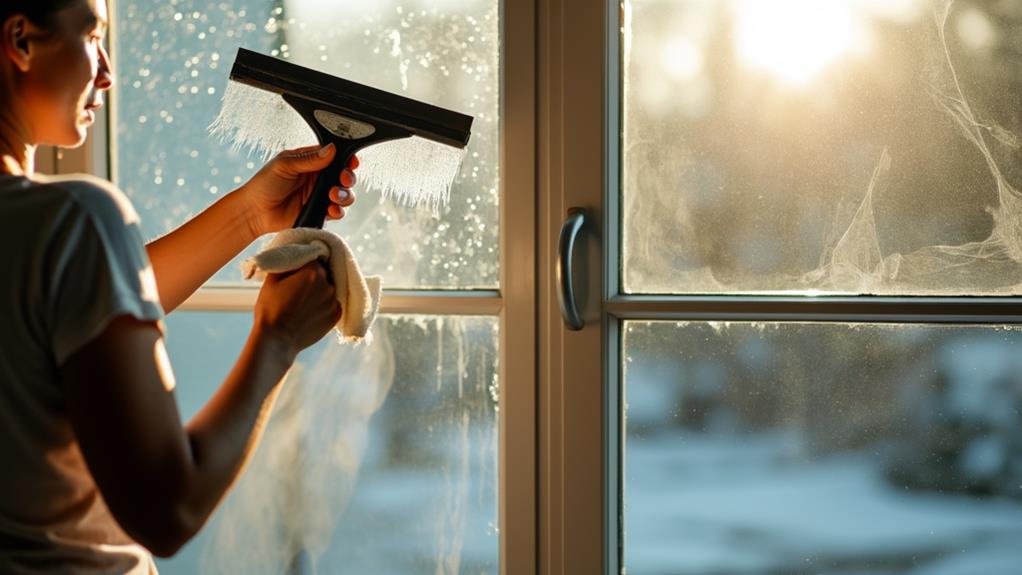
(822, 449)
(846, 146)
(173, 59)
(378, 458)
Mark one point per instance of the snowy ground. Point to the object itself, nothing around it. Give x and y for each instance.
(742, 505)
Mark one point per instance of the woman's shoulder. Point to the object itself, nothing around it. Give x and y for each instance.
(95, 196)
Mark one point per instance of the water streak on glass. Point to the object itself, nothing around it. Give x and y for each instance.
(378, 458)
(848, 146)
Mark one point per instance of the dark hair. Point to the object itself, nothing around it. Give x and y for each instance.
(40, 12)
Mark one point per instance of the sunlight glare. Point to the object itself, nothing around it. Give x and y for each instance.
(794, 40)
(163, 365)
(682, 59)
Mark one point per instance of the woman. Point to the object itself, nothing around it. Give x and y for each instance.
(95, 465)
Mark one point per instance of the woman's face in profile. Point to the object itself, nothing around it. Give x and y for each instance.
(69, 72)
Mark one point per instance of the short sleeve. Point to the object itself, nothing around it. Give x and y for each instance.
(98, 269)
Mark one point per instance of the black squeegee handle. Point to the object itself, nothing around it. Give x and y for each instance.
(313, 214)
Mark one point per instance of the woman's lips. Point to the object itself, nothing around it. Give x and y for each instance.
(90, 111)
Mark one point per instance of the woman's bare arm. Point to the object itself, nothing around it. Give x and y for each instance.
(271, 201)
(161, 479)
(188, 256)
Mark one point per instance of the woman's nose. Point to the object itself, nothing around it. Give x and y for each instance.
(105, 77)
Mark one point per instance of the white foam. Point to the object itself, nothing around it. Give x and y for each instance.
(414, 171)
(259, 121)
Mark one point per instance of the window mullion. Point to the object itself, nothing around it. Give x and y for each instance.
(393, 302)
(518, 464)
(836, 309)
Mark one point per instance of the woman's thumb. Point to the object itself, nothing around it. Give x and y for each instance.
(310, 160)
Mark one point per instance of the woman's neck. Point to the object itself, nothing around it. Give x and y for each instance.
(17, 155)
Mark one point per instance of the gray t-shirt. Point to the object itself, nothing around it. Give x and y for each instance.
(73, 259)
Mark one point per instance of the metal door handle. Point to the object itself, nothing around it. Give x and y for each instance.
(565, 284)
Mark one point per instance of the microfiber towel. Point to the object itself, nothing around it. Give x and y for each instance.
(358, 295)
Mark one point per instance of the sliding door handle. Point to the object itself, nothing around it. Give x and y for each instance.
(570, 231)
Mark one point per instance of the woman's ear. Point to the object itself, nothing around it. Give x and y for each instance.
(15, 44)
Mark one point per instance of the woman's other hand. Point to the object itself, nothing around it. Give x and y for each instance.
(275, 195)
(297, 308)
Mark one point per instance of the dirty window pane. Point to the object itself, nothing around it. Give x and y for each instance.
(822, 448)
(847, 146)
(375, 460)
(172, 61)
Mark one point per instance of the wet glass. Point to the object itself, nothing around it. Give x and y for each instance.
(172, 61)
(839, 147)
(821, 448)
(378, 458)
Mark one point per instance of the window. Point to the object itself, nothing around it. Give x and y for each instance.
(399, 456)
(906, 110)
(820, 447)
(797, 269)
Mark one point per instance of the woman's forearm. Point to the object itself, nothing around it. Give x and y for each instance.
(188, 256)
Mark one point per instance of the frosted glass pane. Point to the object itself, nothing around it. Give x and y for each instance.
(846, 146)
(172, 61)
(822, 448)
(378, 459)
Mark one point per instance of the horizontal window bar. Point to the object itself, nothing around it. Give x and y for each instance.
(432, 302)
(442, 302)
(861, 309)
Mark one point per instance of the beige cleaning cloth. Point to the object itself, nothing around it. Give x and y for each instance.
(358, 295)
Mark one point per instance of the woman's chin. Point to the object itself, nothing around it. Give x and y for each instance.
(77, 137)
(74, 142)
(81, 129)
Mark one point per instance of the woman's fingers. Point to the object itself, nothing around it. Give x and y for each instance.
(342, 196)
(347, 179)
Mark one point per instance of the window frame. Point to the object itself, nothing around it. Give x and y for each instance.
(582, 398)
(513, 303)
